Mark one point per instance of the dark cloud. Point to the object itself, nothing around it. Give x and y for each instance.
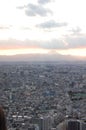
(43, 1)
(51, 24)
(33, 10)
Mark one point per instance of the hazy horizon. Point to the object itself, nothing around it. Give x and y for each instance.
(41, 57)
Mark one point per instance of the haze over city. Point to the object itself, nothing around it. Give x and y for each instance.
(42, 30)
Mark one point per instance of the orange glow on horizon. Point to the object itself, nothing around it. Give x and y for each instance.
(73, 52)
(10, 52)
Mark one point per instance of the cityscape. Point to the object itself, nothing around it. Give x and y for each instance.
(41, 95)
(43, 64)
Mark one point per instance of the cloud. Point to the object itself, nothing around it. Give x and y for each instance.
(53, 44)
(21, 7)
(2, 27)
(76, 31)
(25, 28)
(43, 1)
(17, 44)
(33, 10)
(9, 44)
(68, 42)
(78, 41)
(51, 24)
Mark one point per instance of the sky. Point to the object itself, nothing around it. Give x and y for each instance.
(43, 27)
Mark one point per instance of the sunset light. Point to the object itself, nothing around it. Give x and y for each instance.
(73, 52)
(23, 51)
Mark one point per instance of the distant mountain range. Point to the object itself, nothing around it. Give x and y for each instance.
(41, 57)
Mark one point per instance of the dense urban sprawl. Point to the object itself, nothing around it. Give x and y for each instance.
(41, 95)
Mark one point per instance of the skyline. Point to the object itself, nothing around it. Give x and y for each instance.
(43, 27)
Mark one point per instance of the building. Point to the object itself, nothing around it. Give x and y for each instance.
(44, 123)
(72, 124)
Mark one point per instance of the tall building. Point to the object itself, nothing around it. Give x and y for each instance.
(44, 123)
(72, 124)
(83, 126)
(31, 127)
